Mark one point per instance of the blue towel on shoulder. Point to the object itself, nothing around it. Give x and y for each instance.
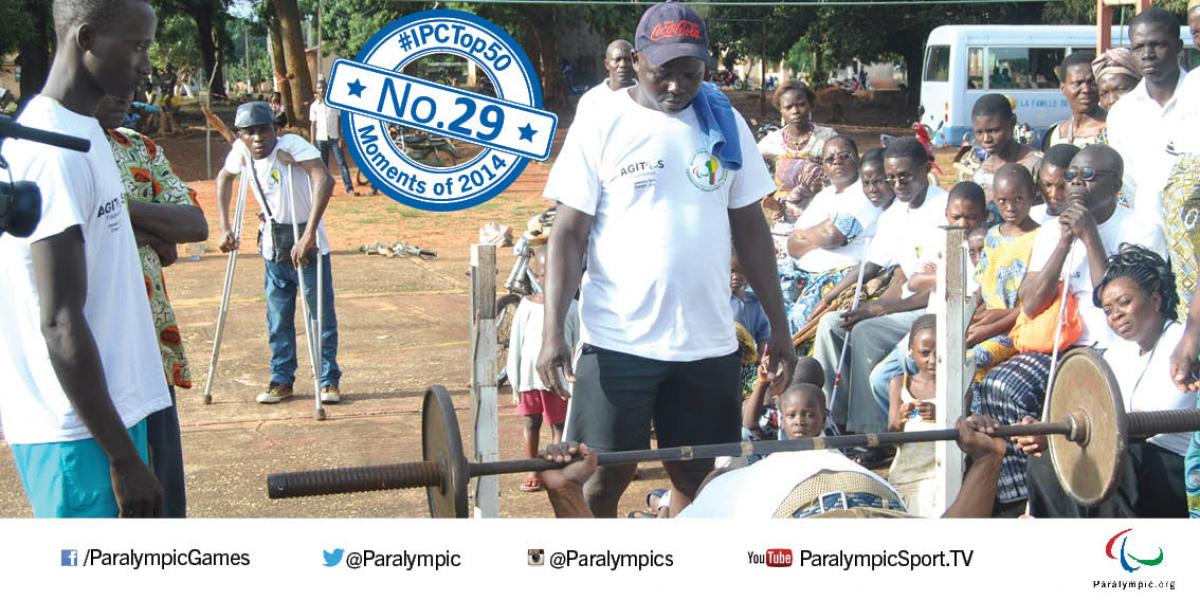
(717, 119)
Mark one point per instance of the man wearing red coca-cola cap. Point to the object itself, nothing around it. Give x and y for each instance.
(659, 186)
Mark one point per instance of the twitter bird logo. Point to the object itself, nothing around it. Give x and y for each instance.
(333, 557)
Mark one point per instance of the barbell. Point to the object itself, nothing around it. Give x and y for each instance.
(1087, 428)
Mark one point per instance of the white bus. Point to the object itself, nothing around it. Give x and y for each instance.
(964, 62)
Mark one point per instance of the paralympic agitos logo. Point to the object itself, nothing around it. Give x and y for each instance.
(1125, 557)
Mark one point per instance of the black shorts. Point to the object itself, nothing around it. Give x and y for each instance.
(617, 395)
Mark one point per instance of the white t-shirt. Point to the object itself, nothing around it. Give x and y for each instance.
(85, 190)
(1124, 226)
(657, 282)
(271, 176)
(903, 233)
(1140, 129)
(1186, 129)
(598, 95)
(1040, 214)
(1146, 383)
(843, 209)
(525, 342)
(756, 491)
(325, 121)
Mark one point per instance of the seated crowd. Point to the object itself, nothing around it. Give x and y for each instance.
(1105, 210)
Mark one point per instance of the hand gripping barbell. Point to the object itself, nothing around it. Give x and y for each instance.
(1086, 423)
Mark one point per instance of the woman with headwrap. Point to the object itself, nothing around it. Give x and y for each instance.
(1086, 126)
(1116, 75)
(796, 152)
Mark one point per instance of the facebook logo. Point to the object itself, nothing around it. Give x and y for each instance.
(70, 558)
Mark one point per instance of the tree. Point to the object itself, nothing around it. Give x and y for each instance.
(291, 34)
(209, 16)
(29, 29)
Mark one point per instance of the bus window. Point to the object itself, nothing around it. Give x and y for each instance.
(937, 63)
(1023, 68)
(975, 71)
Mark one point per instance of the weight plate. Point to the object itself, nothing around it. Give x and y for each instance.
(442, 444)
(1085, 388)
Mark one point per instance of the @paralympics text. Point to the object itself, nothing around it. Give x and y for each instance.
(611, 560)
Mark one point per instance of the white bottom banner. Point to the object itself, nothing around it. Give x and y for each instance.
(600, 559)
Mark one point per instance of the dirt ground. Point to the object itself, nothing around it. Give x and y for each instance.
(402, 326)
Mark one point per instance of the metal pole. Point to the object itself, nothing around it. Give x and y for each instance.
(230, 267)
(762, 72)
(246, 41)
(313, 353)
(320, 45)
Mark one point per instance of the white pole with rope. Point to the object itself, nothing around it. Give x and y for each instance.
(314, 349)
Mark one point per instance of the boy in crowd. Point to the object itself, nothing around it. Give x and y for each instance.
(274, 158)
(536, 398)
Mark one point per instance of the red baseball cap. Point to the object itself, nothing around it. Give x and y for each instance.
(669, 30)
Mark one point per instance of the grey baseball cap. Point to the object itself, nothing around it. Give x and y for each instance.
(253, 113)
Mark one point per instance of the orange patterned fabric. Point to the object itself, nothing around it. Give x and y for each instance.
(148, 177)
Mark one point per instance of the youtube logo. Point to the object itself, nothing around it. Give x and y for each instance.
(773, 557)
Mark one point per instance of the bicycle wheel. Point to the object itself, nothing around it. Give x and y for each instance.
(506, 307)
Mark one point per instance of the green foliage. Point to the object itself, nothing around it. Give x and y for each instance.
(15, 26)
(238, 31)
(176, 42)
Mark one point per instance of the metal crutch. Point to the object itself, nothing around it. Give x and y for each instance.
(831, 426)
(314, 354)
(1065, 278)
(230, 266)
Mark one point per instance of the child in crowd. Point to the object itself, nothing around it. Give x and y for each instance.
(535, 398)
(1052, 182)
(748, 313)
(975, 242)
(913, 407)
(766, 418)
(1002, 268)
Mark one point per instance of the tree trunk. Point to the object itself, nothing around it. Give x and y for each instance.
(280, 71)
(912, 67)
(210, 47)
(292, 33)
(539, 20)
(34, 57)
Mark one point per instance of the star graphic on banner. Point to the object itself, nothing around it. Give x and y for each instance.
(356, 88)
(527, 132)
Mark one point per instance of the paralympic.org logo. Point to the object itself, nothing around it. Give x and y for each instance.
(1125, 557)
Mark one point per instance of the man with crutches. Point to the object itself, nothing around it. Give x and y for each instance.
(1074, 246)
(292, 187)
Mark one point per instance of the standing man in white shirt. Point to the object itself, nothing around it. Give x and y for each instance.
(324, 129)
(274, 158)
(641, 190)
(1140, 123)
(618, 63)
(78, 356)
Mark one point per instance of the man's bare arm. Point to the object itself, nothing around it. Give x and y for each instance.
(756, 254)
(564, 268)
(60, 273)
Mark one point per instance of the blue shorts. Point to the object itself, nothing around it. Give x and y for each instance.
(71, 479)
